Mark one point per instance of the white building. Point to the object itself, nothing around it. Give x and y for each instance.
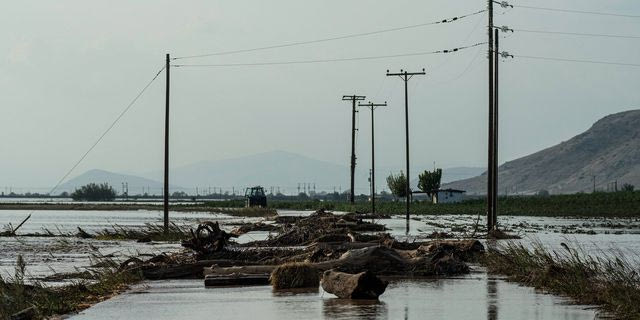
(450, 195)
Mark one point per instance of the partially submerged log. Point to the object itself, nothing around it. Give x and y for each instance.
(12, 231)
(83, 234)
(236, 280)
(363, 285)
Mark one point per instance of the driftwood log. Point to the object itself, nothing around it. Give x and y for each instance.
(236, 280)
(363, 285)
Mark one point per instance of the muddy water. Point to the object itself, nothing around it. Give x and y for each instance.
(473, 297)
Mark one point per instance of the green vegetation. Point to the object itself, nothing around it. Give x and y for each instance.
(94, 192)
(429, 181)
(397, 184)
(612, 282)
(614, 204)
(39, 301)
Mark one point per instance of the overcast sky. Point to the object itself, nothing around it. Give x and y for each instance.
(68, 68)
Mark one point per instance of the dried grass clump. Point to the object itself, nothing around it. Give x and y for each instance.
(295, 275)
(609, 280)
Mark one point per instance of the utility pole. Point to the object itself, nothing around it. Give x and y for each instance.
(406, 76)
(496, 122)
(373, 107)
(490, 167)
(353, 99)
(166, 149)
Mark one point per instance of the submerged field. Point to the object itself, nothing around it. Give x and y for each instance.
(57, 250)
(599, 204)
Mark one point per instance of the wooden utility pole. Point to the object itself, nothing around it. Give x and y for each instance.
(491, 153)
(372, 107)
(406, 76)
(496, 123)
(166, 149)
(353, 99)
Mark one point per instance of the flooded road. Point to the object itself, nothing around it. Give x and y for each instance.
(476, 296)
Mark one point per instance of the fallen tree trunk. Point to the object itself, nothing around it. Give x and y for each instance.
(363, 285)
(183, 271)
(236, 280)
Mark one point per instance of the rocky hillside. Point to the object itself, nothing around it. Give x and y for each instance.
(609, 150)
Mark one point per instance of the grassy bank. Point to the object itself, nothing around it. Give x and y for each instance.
(612, 283)
(39, 302)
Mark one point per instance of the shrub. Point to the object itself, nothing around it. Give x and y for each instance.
(94, 192)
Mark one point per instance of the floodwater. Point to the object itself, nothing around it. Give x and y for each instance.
(476, 296)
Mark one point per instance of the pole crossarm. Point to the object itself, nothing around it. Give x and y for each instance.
(371, 105)
(353, 97)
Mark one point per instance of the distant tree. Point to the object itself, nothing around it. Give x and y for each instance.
(64, 194)
(94, 192)
(397, 184)
(543, 193)
(628, 187)
(429, 183)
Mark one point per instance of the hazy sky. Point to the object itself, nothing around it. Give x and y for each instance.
(68, 68)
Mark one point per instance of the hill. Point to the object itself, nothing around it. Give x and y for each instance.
(607, 152)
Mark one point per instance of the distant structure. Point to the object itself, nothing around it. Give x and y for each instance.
(450, 195)
(442, 196)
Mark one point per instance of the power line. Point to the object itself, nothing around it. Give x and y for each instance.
(355, 35)
(108, 129)
(579, 61)
(578, 11)
(579, 34)
(330, 60)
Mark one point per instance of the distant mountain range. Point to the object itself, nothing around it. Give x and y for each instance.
(271, 169)
(608, 152)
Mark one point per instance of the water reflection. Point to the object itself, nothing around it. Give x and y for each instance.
(492, 298)
(354, 309)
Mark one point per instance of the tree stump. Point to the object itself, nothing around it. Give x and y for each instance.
(363, 285)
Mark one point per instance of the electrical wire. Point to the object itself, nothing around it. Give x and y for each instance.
(330, 60)
(578, 11)
(578, 61)
(579, 34)
(355, 35)
(107, 131)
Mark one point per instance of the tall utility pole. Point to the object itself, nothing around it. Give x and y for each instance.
(490, 167)
(496, 122)
(166, 149)
(372, 107)
(406, 76)
(353, 99)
